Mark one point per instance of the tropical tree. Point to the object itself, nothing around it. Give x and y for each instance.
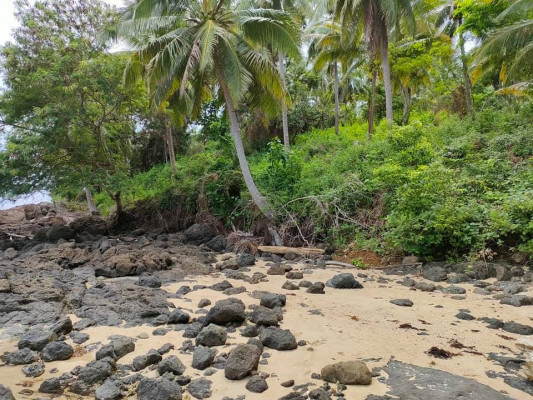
(377, 17)
(329, 47)
(512, 46)
(190, 51)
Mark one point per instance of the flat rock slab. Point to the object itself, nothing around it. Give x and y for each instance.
(413, 383)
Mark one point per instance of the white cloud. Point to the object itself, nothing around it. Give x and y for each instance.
(8, 21)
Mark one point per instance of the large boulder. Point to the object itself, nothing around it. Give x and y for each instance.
(109, 390)
(225, 311)
(435, 274)
(141, 362)
(55, 351)
(200, 388)
(203, 357)
(272, 300)
(96, 371)
(344, 281)
(212, 335)
(264, 316)
(171, 364)
(36, 339)
(347, 373)
(158, 389)
(90, 224)
(278, 339)
(198, 234)
(61, 232)
(20, 357)
(242, 360)
(6, 393)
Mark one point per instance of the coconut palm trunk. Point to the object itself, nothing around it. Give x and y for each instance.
(93, 210)
(336, 89)
(257, 197)
(386, 78)
(284, 111)
(372, 104)
(170, 144)
(466, 76)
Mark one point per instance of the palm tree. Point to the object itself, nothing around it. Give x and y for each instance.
(377, 18)
(450, 23)
(513, 44)
(189, 51)
(329, 47)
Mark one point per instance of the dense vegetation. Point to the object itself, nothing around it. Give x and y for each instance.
(395, 137)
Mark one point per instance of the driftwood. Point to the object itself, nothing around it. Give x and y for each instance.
(339, 264)
(297, 250)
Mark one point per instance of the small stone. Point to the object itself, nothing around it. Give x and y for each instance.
(171, 364)
(519, 329)
(454, 290)
(20, 357)
(141, 362)
(200, 388)
(225, 311)
(273, 300)
(79, 337)
(465, 316)
(51, 386)
(158, 389)
(6, 393)
(402, 302)
(348, 373)
(435, 274)
(36, 339)
(425, 287)
(204, 303)
(290, 286)
(256, 384)
(316, 288)
(278, 339)
(55, 351)
(63, 326)
(289, 383)
(344, 281)
(109, 390)
(178, 316)
(203, 357)
(249, 331)
(294, 275)
(33, 370)
(212, 335)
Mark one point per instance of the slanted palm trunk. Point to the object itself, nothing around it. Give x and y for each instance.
(406, 91)
(336, 89)
(90, 202)
(284, 112)
(257, 197)
(466, 76)
(386, 78)
(372, 104)
(170, 144)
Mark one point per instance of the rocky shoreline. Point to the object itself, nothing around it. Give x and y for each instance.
(152, 315)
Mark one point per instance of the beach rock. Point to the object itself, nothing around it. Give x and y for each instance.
(204, 303)
(288, 285)
(55, 351)
(225, 311)
(118, 348)
(79, 337)
(294, 275)
(6, 393)
(245, 260)
(141, 362)
(203, 357)
(256, 384)
(61, 232)
(435, 274)
(465, 316)
(63, 326)
(33, 370)
(51, 386)
(519, 329)
(344, 281)
(264, 316)
(513, 288)
(305, 284)
(36, 339)
(517, 300)
(250, 330)
(198, 234)
(459, 278)
(158, 389)
(96, 371)
(278, 339)
(200, 388)
(212, 335)
(425, 286)
(90, 224)
(402, 302)
(178, 317)
(454, 290)
(276, 270)
(319, 394)
(109, 390)
(148, 280)
(171, 364)
(502, 273)
(273, 300)
(410, 260)
(242, 360)
(348, 373)
(316, 288)
(20, 357)
(218, 243)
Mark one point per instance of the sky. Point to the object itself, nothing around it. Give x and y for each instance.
(8, 21)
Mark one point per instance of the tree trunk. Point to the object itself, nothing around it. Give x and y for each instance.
(284, 112)
(372, 104)
(386, 79)
(466, 76)
(257, 197)
(93, 210)
(336, 89)
(117, 198)
(406, 92)
(170, 145)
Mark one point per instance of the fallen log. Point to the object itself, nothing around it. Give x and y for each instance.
(340, 264)
(304, 251)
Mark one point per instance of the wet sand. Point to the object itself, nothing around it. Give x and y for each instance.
(355, 324)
